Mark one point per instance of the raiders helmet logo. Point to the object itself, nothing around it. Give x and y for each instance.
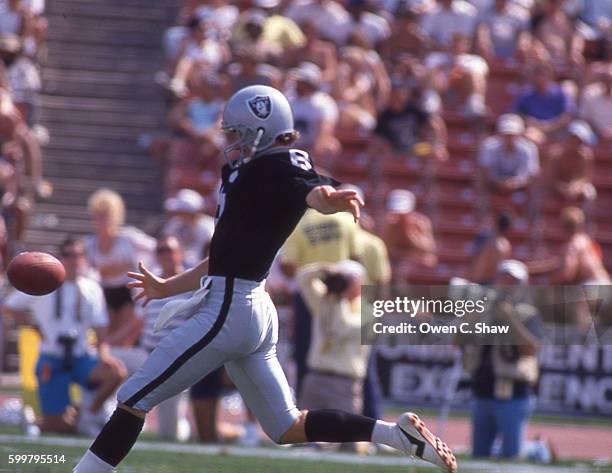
(261, 106)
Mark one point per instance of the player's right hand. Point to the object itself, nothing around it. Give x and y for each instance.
(152, 286)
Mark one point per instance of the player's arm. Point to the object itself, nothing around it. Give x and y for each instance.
(154, 287)
(328, 200)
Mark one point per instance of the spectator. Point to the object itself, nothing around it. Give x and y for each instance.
(23, 78)
(16, 18)
(278, 29)
(353, 91)
(374, 28)
(502, 31)
(189, 225)
(405, 123)
(509, 162)
(315, 112)
(331, 17)
(447, 18)
(570, 165)
(198, 53)
(249, 33)
(461, 76)
(63, 319)
(556, 32)
(199, 115)
(169, 262)
(581, 260)
(113, 250)
(337, 361)
(408, 233)
(406, 37)
(247, 70)
(317, 238)
(490, 249)
(596, 104)
(317, 51)
(545, 105)
(503, 375)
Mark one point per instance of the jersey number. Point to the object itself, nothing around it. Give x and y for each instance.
(300, 159)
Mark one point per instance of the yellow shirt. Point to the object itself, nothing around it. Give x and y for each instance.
(322, 238)
(374, 258)
(283, 32)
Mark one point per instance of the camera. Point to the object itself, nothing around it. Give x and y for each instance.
(67, 341)
(336, 283)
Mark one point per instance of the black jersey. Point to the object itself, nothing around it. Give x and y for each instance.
(260, 203)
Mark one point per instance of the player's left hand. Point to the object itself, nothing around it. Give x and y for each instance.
(344, 201)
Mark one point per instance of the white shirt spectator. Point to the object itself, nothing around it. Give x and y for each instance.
(372, 26)
(92, 313)
(24, 80)
(193, 238)
(504, 28)
(331, 17)
(132, 245)
(10, 22)
(310, 112)
(501, 163)
(222, 18)
(596, 108)
(208, 53)
(440, 24)
(469, 62)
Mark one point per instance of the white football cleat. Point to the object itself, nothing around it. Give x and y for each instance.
(430, 448)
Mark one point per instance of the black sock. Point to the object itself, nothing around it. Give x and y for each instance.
(332, 425)
(117, 437)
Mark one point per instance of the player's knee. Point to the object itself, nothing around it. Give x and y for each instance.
(132, 410)
(295, 433)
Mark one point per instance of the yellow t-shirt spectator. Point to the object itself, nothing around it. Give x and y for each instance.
(374, 257)
(322, 238)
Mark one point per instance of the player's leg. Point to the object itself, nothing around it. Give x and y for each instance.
(263, 385)
(181, 358)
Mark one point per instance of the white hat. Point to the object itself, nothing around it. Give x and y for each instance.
(510, 124)
(401, 201)
(515, 268)
(185, 200)
(308, 72)
(351, 268)
(583, 131)
(266, 3)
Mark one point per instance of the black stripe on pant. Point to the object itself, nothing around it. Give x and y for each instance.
(192, 350)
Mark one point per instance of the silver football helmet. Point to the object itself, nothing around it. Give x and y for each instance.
(258, 114)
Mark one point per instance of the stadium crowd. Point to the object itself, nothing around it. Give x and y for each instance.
(23, 29)
(478, 132)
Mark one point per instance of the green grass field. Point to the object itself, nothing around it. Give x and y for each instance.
(152, 457)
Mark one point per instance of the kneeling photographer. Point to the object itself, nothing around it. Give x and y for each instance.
(337, 361)
(63, 318)
(504, 370)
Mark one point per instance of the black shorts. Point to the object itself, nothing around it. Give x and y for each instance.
(117, 297)
(209, 387)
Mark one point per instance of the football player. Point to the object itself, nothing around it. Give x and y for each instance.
(266, 188)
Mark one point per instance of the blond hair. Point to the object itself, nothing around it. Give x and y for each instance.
(107, 201)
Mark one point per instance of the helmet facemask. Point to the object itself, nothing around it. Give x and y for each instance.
(247, 143)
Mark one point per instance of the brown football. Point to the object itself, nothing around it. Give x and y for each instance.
(36, 273)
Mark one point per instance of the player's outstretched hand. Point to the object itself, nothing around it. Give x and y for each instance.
(343, 201)
(152, 286)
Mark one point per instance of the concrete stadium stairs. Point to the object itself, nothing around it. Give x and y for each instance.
(99, 98)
